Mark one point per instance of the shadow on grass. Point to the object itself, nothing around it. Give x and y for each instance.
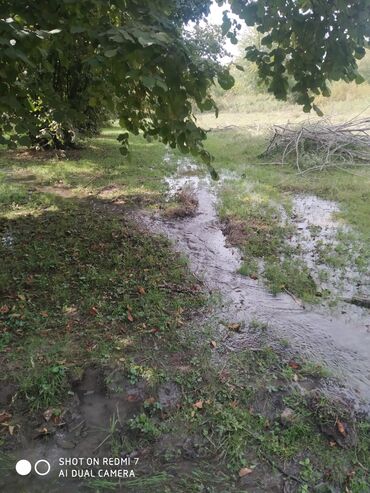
(82, 284)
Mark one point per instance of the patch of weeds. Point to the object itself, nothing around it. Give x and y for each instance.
(206, 478)
(249, 268)
(135, 373)
(145, 426)
(314, 370)
(284, 343)
(252, 221)
(258, 325)
(293, 277)
(44, 387)
(185, 205)
(307, 472)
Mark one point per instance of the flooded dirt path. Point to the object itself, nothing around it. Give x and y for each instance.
(338, 338)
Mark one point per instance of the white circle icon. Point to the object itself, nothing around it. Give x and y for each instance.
(23, 467)
(47, 470)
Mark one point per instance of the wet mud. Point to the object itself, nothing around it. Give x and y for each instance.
(101, 404)
(317, 230)
(338, 338)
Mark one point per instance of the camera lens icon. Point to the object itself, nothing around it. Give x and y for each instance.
(24, 467)
(42, 467)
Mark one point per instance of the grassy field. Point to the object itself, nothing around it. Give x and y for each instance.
(83, 285)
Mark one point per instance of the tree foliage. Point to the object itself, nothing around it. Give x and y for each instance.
(66, 66)
(311, 41)
(65, 60)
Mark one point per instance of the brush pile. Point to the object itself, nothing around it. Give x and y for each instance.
(321, 143)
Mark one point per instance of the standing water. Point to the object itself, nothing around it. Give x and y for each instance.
(338, 339)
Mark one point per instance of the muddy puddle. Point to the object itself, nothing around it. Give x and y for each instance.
(100, 405)
(316, 235)
(338, 338)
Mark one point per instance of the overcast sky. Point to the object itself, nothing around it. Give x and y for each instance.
(215, 17)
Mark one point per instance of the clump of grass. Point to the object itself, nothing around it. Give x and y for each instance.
(186, 205)
(44, 387)
(258, 325)
(145, 426)
(293, 277)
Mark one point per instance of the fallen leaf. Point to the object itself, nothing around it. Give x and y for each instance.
(149, 400)
(244, 471)
(213, 344)
(4, 309)
(234, 404)
(22, 297)
(4, 416)
(295, 377)
(56, 419)
(11, 429)
(293, 364)
(130, 317)
(198, 405)
(235, 327)
(133, 397)
(141, 290)
(341, 428)
(93, 311)
(332, 444)
(44, 314)
(43, 431)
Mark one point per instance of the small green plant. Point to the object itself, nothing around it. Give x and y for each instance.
(45, 387)
(258, 325)
(134, 374)
(249, 268)
(307, 471)
(312, 369)
(293, 277)
(145, 426)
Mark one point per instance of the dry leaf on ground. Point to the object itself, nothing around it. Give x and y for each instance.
(244, 471)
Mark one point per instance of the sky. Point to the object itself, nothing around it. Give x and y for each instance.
(215, 17)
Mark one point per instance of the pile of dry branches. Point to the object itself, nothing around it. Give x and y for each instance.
(320, 144)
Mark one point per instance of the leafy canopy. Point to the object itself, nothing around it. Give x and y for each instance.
(66, 65)
(309, 41)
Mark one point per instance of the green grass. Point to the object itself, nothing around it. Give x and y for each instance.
(83, 285)
(81, 280)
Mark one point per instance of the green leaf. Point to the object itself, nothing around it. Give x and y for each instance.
(359, 79)
(226, 80)
(111, 53)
